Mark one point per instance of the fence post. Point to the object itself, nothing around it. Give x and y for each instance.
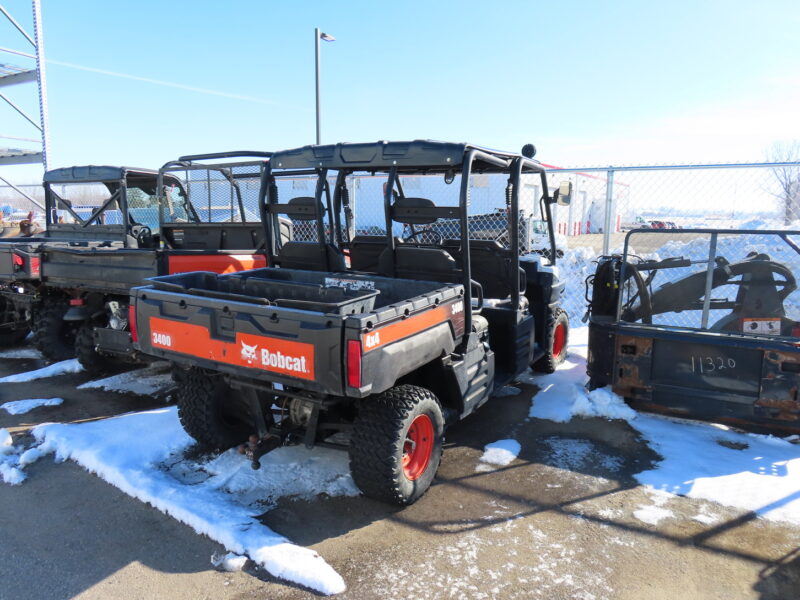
(609, 202)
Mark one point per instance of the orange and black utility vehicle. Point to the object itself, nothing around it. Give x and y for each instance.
(110, 228)
(372, 343)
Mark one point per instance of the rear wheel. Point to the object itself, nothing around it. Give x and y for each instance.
(12, 331)
(396, 444)
(211, 411)
(91, 360)
(557, 342)
(52, 335)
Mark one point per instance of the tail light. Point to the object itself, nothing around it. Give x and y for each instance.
(19, 262)
(36, 266)
(132, 323)
(354, 363)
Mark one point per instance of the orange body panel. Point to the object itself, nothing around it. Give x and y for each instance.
(295, 359)
(216, 263)
(407, 327)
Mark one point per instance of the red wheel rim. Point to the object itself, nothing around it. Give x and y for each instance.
(559, 339)
(418, 447)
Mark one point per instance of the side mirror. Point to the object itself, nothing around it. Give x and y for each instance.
(564, 193)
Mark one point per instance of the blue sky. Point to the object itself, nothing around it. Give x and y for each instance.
(587, 82)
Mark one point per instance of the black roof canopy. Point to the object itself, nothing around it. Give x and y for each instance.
(94, 173)
(416, 155)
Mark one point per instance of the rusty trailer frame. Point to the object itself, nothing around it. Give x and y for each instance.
(707, 373)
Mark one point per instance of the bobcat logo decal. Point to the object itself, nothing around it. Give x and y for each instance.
(249, 353)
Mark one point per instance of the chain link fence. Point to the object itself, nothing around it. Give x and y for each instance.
(607, 202)
(216, 195)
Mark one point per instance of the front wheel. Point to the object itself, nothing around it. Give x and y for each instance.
(557, 339)
(396, 444)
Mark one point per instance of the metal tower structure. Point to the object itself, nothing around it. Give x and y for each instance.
(11, 75)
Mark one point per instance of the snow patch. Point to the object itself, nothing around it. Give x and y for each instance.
(20, 407)
(60, 368)
(705, 519)
(652, 515)
(130, 451)
(700, 460)
(20, 353)
(499, 453)
(11, 474)
(9, 471)
(751, 472)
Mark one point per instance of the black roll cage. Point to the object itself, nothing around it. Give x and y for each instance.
(197, 162)
(320, 159)
(115, 179)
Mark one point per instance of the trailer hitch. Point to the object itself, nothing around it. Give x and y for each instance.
(257, 447)
(262, 442)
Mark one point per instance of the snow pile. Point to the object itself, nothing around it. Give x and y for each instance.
(747, 471)
(499, 453)
(573, 269)
(20, 407)
(131, 451)
(580, 263)
(148, 381)
(60, 368)
(560, 402)
(563, 394)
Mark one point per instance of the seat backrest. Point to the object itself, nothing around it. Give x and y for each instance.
(310, 256)
(490, 265)
(365, 251)
(426, 264)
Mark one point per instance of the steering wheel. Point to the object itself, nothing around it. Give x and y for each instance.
(438, 238)
(143, 234)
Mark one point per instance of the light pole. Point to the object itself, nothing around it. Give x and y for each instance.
(318, 35)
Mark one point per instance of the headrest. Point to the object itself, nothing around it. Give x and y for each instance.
(303, 208)
(413, 211)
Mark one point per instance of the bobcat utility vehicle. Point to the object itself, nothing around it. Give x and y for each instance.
(707, 326)
(377, 356)
(107, 231)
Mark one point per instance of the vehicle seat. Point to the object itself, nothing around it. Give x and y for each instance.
(307, 256)
(418, 262)
(426, 264)
(491, 266)
(310, 256)
(365, 251)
